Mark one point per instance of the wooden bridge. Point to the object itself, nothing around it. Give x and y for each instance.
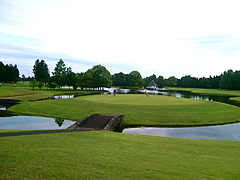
(98, 122)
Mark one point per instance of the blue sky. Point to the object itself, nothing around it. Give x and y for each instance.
(168, 38)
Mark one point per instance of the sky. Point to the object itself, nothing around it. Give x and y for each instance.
(167, 38)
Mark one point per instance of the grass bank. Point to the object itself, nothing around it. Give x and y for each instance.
(137, 110)
(209, 91)
(23, 92)
(112, 155)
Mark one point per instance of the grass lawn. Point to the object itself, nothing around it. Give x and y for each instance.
(23, 92)
(102, 154)
(137, 109)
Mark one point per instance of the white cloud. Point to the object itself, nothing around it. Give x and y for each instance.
(148, 36)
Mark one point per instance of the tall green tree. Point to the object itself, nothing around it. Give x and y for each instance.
(3, 72)
(101, 77)
(204, 82)
(171, 81)
(187, 81)
(59, 73)
(12, 73)
(227, 79)
(23, 78)
(119, 79)
(135, 79)
(33, 83)
(230, 80)
(71, 78)
(160, 81)
(41, 71)
(86, 80)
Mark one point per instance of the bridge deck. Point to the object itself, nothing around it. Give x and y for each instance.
(96, 122)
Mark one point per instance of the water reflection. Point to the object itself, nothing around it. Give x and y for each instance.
(59, 121)
(180, 94)
(223, 132)
(33, 123)
(2, 108)
(63, 97)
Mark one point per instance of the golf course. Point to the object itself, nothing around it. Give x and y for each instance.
(105, 154)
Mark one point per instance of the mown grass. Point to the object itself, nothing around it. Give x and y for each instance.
(111, 155)
(137, 109)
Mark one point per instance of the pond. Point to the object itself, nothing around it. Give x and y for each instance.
(2, 108)
(33, 123)
(63, 97)
(221, 132)
(180, 94)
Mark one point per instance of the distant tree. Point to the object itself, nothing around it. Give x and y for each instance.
(3, 72)
(230, 80)
(171, 81)
(227, 79)
(101, 76)
(147, 80)
(204, 82)
(12, 73)
(135, 79)
(60, 73)
(119, 79)
(23, 78)
(51, 85)
(33, 83)
(40, 85)
(187, 81)
(160, 82)
(86, 81)
(71, 78)
(237, 80)
(214, 81)
(40, 71)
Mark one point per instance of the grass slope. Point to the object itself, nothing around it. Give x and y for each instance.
(210, 91)
(102, 154)
(137, 109)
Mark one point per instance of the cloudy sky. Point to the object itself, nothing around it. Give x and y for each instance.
(168, 38)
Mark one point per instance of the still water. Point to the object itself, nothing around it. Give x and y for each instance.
(33, 123)
(180, 94)
(221, 132)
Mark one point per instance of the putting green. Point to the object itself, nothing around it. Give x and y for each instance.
(140, 99)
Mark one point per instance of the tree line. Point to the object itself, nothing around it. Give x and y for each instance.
(98, 77)
(8, 73)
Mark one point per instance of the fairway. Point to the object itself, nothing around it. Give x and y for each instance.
(102, 154)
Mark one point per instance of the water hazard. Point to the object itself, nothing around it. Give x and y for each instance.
(33, 123)
(180, 94)
(221, 132)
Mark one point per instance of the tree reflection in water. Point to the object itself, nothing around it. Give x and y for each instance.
(59, 121)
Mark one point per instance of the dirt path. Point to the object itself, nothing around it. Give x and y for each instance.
(19, 95)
